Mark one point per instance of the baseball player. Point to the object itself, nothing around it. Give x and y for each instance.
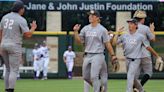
(103, 87)
(34, 59)
(95, 38)
(45, 52)
(68, 58)
(146, 64)
(12, 27)
(38, 61)
(133, 43)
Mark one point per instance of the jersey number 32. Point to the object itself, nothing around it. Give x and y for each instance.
(8, 23)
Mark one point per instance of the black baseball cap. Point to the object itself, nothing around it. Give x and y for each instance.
(17, 6)
(94, 12)
(133, 21)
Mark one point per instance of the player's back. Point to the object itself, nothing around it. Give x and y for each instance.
(13, 26)
(142, 29)
(145, 31)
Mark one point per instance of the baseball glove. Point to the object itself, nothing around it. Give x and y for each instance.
(116, 66)
(159, 64)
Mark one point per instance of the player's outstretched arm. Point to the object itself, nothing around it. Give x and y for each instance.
(33, 27)
(111, 36)
(76, 34)
(149, 48)
(114, 42)
(159, 62)
(111, 51)
(115, 39)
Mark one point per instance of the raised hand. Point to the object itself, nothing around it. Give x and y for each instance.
(33, 25)
(152, 27)
(120, 29)
(76, 27)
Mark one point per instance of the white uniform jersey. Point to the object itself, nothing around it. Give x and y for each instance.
(45, 51)
(37, 53)
(69, 55)
(34, 53)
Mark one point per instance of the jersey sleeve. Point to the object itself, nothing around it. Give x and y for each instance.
(120, 39)
(23, 26)
(105, 36)
(65, 54)
(144, 42)
(149, 34)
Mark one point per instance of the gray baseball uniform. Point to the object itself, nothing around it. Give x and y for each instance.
(103, 77)
(132, 45)
(94, 61)
(146, 64)
(13, 26)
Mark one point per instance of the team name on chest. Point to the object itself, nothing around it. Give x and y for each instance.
(92, 34)
(131, 41)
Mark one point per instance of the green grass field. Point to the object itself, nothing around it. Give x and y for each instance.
(76, 86)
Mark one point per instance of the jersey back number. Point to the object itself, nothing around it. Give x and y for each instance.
(8, 23)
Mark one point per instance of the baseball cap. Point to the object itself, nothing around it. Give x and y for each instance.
(133, 21)
(94, 12)
(17, 6)
(139, 14)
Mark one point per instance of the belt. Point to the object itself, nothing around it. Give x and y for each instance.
(86, 53)
(132, 59)
(92, 53)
